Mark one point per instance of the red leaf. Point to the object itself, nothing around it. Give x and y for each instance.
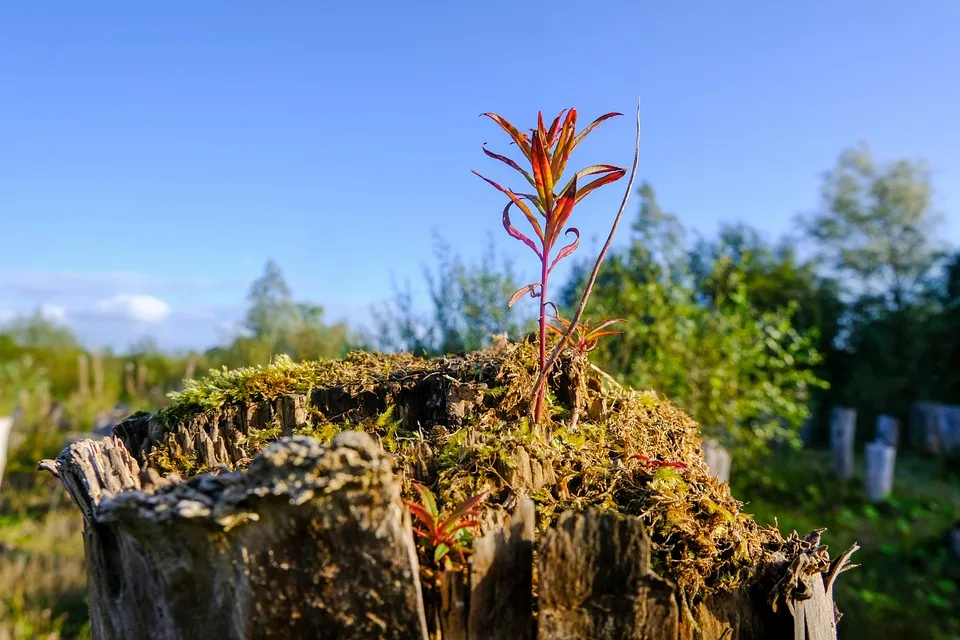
(515, 233)
(422, 514)
(509, 162)
(593, 125)
(519, 293)
(590, 171)
(562, 212)
(599, 182)
(521, 139)
(516, 198)
(567, 250)
(552, 133)
(565, 144)
(596, 331)
(464, 508)
(541, 169)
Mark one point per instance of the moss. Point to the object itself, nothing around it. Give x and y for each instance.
(702, 539)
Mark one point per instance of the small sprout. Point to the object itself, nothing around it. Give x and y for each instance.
(445, 534)
(587, 338)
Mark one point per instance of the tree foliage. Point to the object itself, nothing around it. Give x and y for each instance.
(693, 332)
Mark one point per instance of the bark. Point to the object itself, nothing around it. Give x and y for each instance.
(311, 541)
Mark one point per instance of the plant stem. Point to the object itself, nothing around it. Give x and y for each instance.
(544, 272)
(540, 385)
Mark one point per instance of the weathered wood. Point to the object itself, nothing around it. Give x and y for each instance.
(887, 430)
(310, 542)
(6, 427)
(501, 579)
(843, 424)
(452, 613)
(595, 582)
(718, 459)
(878, 480)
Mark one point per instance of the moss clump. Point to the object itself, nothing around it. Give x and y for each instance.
(459, 425)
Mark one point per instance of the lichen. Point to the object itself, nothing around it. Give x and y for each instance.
(701, 538)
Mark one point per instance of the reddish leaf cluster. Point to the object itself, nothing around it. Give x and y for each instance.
(445, 534)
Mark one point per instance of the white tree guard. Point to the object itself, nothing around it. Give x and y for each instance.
(881, 459)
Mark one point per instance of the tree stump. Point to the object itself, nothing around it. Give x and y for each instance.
(226, 514)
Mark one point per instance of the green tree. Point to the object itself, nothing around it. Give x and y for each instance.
(876, 225)
(276, 324)
(694, 334)
(876, 230)
(272, 311)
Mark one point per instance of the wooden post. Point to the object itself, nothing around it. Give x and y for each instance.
(843, 424)
(6, 426)
(923, 427)
(718, 459)
(191, 367)
(881, 458)
(948, 429)
(128, 384)
(887, 430)
(97, 362)
(83, 375)
(141, 378)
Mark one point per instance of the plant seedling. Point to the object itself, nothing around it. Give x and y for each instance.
(548, 150)
(587, 337)
(445, 534)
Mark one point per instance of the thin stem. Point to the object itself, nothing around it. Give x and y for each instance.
(544, 273)
(539, 385)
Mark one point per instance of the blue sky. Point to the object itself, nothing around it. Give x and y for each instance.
(154, 155)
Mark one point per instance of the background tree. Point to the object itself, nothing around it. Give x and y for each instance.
(468, 304)
(694, 334)
(276, 324)
(876, 231)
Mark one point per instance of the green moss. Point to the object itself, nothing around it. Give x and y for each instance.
(702, 539)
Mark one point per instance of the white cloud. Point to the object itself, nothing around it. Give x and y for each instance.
(139, 308)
